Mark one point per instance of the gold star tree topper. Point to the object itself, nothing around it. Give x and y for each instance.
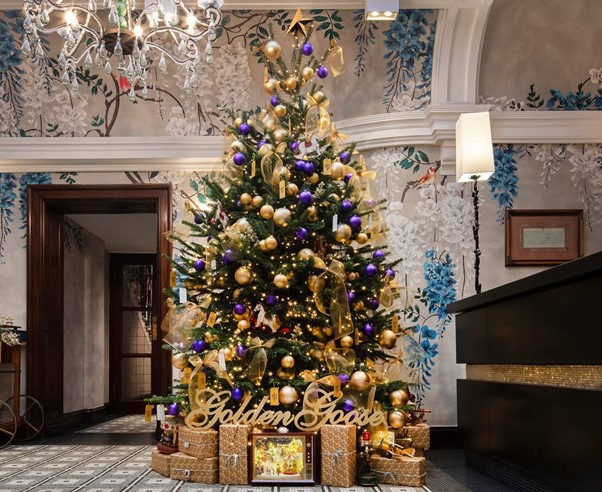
(299, 23)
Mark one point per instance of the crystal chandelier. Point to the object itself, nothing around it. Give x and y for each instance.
(131, 39)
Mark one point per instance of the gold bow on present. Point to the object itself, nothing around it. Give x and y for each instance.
(340, 316)
(317, 118)
(259, 362)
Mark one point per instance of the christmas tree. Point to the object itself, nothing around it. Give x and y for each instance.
(281, 279)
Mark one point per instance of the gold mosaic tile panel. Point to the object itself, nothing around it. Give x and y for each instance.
(583, 377)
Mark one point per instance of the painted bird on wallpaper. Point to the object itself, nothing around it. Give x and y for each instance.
(428, 179)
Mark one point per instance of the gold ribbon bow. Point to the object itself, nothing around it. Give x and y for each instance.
(317, 118)
(272, 168)
(211, 360)
(259, 362)
(334, 59)
(335, 137)
(178, 323)
(339, 360)
(340, 315)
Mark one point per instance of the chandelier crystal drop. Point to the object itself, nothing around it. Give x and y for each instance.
(127, 39)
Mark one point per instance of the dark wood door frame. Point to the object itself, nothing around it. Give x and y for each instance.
(45, 275)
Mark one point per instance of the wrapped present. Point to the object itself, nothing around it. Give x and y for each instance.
(233, 451)
(191, 469)
(200, 444)
(338, 455)
(419, 434)
(400, 470)
(160, 462)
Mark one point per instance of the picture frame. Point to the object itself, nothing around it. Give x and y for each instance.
(543, 237)
(283, 458)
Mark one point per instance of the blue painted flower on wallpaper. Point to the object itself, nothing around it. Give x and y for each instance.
(10, 55)
(10, 71)
(440, 287)
(8, 184)
(410, 41)
(28, 179)
(504, 181)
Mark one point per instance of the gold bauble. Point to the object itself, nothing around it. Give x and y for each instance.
(238, 317)
(280, 135)
(243, 324)
(237, 122)
(305, 254)
(397, 420)
(257, 201)
(266, 212)
(317, 354)
(319, 96)
(352, 276)
(271, 124)
(179, 361)
(228, 354)
(343, 233)
(315, 283)
(210, 337)
(312, 214)
(271, 243)
(291, 83)
(288, 395)
(288, 361)
(237, 146)
(271, 86)
(398, 398)
(285, 373)
(281, 281)
(387, 339)
(307, 73)
(243, 275)
(262, 246)
(280, 110)
(362, 238)
(292, 189)
(282, 216)
(265, 149)
(314, 178)
(272, 50)
(347, 341)
(338, 171)
(245, 198)
(359, 380)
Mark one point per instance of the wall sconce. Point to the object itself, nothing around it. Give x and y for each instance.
(381, 10)
(474, 162)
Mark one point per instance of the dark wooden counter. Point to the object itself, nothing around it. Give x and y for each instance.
(529, 409)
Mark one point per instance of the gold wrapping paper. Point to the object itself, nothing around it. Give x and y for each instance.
(191, 469)
(420, 435)
(160, 462)
(400, 470)
(233, 452)
(200, 444)
(338, 455)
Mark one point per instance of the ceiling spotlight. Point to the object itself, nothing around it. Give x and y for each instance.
(381, 10)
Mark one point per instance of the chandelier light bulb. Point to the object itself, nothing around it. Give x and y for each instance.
(88, 60)
(107, 68)
(92, 7)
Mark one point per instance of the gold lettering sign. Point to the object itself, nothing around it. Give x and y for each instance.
(319, 408)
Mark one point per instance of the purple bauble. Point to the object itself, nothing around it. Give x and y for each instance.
(302, 233)
(241, 351)
(343, 378)
(351, 296)
(274, 101)
(373, 303)
(244, 129)
(260, 144)
(348, 177)
(300, 166)
(239, 158)
(238, 204)
(368, 330)
(348, 406)
(390, 272)
(173, 409)
(239, 309)
(294, 146)
(237, 394)
(307, 49)
(346, 206)
(355, 222)
(345, 157)
(306, 198)
(198, 218)
(371, 270)
(378, 254)
(199, 345)
(322, 72)
(228, 257)
(272, 300)
(309, 168)
(199, 265)
(370, 203)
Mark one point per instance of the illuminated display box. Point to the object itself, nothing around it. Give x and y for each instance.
(283, 458)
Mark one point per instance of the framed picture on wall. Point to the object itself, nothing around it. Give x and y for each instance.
(543, 237)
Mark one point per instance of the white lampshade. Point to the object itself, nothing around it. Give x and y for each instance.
(474, 148)
(381, 10)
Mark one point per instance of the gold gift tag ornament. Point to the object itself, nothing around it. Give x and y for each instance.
(337, 388)
(327, 167)
(148, 413)
(282, 189)
(274, 398)
(186, 372)
(211, 319)
(395, 324)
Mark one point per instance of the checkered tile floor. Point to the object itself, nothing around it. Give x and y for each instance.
(122, 425)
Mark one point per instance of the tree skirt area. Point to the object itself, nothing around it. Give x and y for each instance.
(64, 468)
(125, 425)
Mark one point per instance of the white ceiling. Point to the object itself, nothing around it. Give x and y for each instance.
(122, 233)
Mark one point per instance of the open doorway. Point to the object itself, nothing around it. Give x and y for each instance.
(47, 345)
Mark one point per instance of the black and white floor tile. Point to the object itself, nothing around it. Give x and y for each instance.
(122, 425)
